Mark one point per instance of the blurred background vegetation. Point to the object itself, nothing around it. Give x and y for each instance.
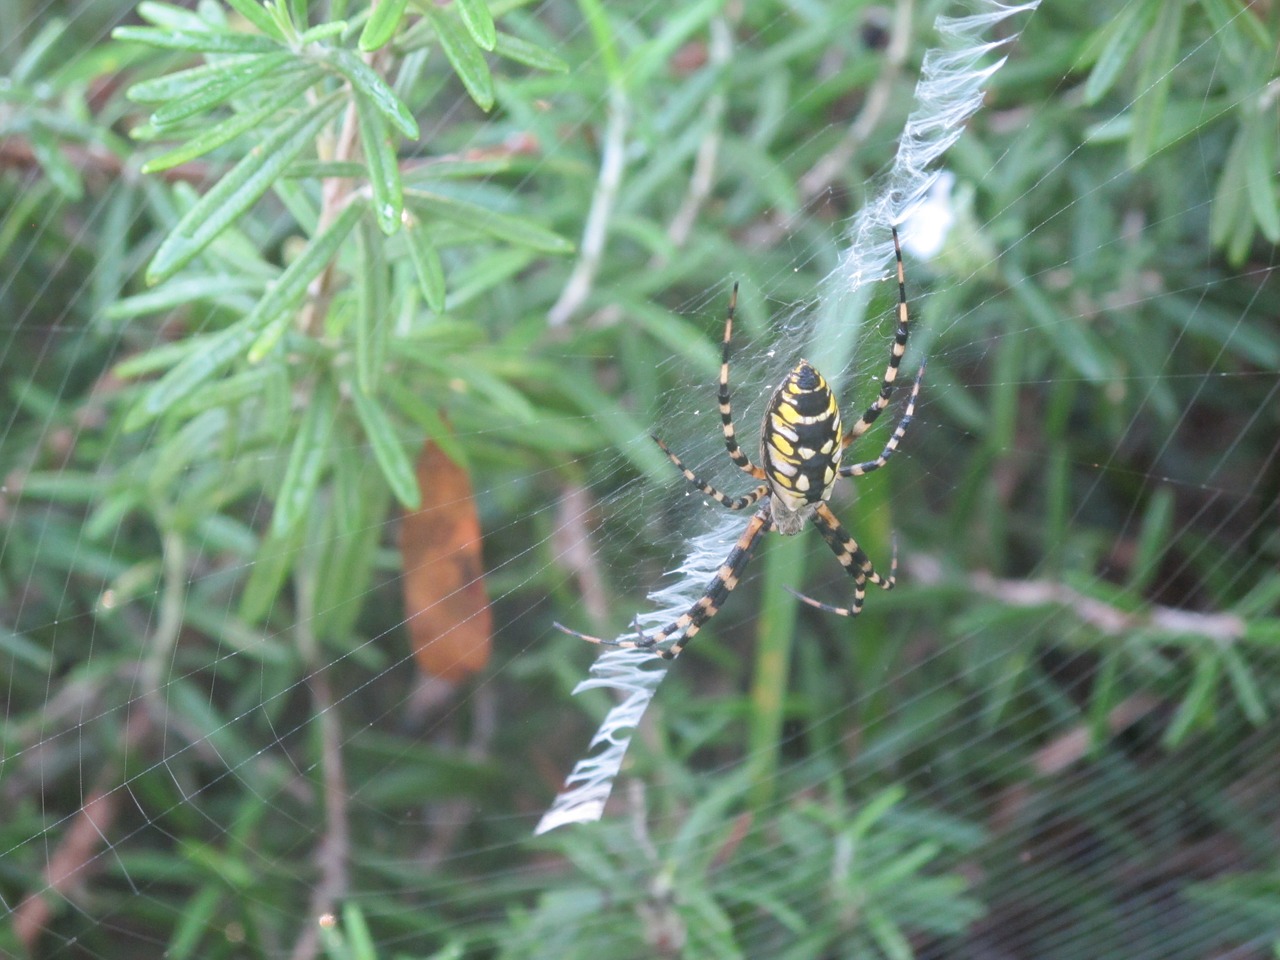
(258, 261)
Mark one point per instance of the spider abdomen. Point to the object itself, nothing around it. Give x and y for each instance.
(800, 440)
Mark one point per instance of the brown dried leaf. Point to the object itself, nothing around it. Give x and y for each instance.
(447, 606)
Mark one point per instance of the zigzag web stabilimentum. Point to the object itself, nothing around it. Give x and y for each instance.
(950, 90)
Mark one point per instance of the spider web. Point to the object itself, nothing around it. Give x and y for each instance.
(1077, 724)
(949, 91)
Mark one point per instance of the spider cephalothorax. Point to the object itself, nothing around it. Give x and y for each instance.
(800, 448)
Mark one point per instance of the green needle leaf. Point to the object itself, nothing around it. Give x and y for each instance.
(190, 373)
(478, 21)
(196, 42)
(1198, 703)
(383, 165)
(60, 171)
(187, 82)
(170, 16)
(222, 87)
(531, 55)
(426, 265)
(36, 54)
(388, 451)
(239, 190)
(372, 316)
(1260, 172)
(517, 230)
(382, 23)
(1155, 81)
(323, 31)
(306, 463)
(234, 126)
(1122, 36)
(274, 311)
(365, 80)
(253, 11)
(467, 62)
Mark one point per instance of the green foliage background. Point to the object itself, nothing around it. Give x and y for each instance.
(252, 257)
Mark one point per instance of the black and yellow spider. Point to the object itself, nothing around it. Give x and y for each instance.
(800, 445)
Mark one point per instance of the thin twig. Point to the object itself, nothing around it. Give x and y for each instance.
(447, 819)
(16, 153)
(703, 177)
(334, 850)
(69, 863)
(571, 540)
(523, 144)
(1223, 628)
(334, 195)
(704, 165)
(664, 927)
(1063, 752)
(836, 161)
(1068, 748)
(596, 232)
(173, 602)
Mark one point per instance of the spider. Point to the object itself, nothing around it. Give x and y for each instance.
(800, 446)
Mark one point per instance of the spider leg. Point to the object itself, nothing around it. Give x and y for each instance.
(718, 590)
(642, 643)
(858, 469)
(733, 503)
(726, 407)
(855, 562)
(706, 607)
(895, 357)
